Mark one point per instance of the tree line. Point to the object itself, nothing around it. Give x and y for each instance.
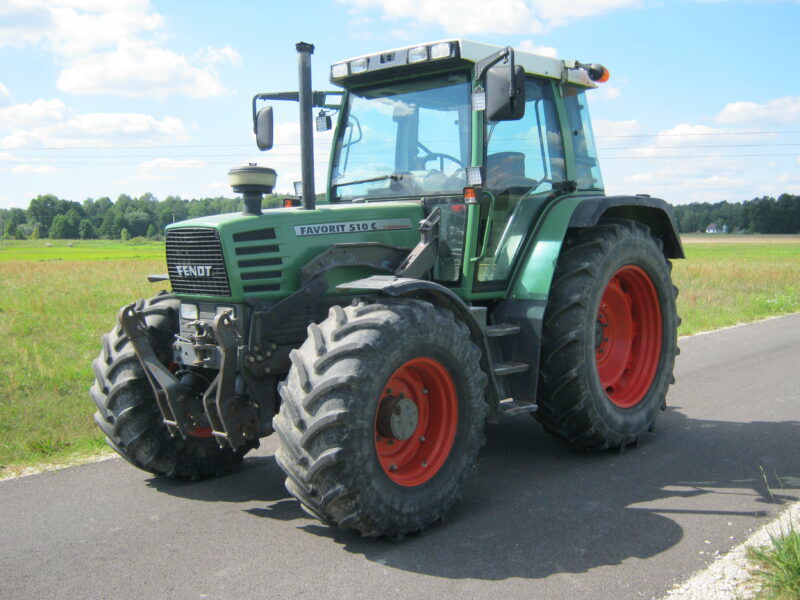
(48, 216)
(759, 215)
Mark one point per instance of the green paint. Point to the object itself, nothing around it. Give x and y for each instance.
(538, 262)
(295, 250)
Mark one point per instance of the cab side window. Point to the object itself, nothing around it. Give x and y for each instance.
(586, 164)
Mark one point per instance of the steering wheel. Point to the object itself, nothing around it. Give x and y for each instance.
(441, 156)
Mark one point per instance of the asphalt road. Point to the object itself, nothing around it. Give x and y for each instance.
(538, 521)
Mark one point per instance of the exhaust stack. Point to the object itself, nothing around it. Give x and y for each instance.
(304, 52)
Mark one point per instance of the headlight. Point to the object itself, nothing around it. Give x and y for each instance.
(442, 50)
(359, 65)
(189, 311)
(418, 54)
(339, 70)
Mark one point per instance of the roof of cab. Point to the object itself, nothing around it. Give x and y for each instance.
(535, 64)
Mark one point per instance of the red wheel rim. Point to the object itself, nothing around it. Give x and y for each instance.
(413, 461)
(628, 336)
(201, 432)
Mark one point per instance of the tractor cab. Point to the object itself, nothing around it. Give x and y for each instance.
(431, 123)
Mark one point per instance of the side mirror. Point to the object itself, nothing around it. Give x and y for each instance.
(264, 128)
(505, 93)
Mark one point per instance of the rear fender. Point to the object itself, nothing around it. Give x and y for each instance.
(526, 304)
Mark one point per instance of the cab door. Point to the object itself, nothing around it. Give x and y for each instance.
(523, 159)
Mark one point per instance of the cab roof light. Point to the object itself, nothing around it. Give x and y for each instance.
(418, 54)
(441, 50)
(340, 70)
(359, 65)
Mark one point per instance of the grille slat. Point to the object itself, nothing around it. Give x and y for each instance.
(193, 247)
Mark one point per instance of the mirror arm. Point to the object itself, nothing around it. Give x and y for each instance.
(487, 63)
(318, 100)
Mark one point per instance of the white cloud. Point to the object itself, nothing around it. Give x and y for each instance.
(530, 46)
(112, 47)
(212, 56)
(490, 16)
(52, 123)
(75, 27)
(140, 68)
(38, 112)
(780, 111)
(36, 170)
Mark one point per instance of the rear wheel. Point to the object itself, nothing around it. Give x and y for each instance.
(609, 337)
(127, 411)
(381, 416)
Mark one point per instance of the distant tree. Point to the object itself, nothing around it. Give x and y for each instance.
(64, 228)
(42, 210)
(152, 232)
(136, 222)
(86, 230)
(124, 235)
(36, 233)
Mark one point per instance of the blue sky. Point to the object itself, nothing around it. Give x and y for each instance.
(102, 97)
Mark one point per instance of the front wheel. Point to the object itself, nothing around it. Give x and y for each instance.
(609, 338)
(381, 416)
(127, 411)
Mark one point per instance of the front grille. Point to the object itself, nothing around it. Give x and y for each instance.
(255, 258)
(190, 251)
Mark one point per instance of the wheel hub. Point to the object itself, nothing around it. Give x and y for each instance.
(398, 417)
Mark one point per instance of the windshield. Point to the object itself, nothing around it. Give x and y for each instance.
(404, 139)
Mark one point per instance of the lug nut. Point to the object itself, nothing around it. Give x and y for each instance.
(251, 358)
(422, 439)
(424, 391)
(424, 464)
(393, 468)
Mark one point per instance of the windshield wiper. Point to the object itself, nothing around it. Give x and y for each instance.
(393, 177)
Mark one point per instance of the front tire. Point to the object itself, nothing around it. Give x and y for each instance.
(609, 337)
(127, 411)
(382, 417)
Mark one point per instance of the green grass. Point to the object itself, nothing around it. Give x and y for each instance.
(778, 567)
(736, 279)
(80, 250)
(56, 302)
(53, 310)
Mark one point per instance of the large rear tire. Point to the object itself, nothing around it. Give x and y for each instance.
(609, 338)
(382, 417)
(127, 411)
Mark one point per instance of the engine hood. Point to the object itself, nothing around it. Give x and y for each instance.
(235, 256)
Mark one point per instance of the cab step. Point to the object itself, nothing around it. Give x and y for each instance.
(509, 368)
(501, 329)
(509, 408)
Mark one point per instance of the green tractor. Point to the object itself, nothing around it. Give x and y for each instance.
(464, 265)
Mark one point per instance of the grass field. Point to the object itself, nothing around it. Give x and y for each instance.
(56, 302)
